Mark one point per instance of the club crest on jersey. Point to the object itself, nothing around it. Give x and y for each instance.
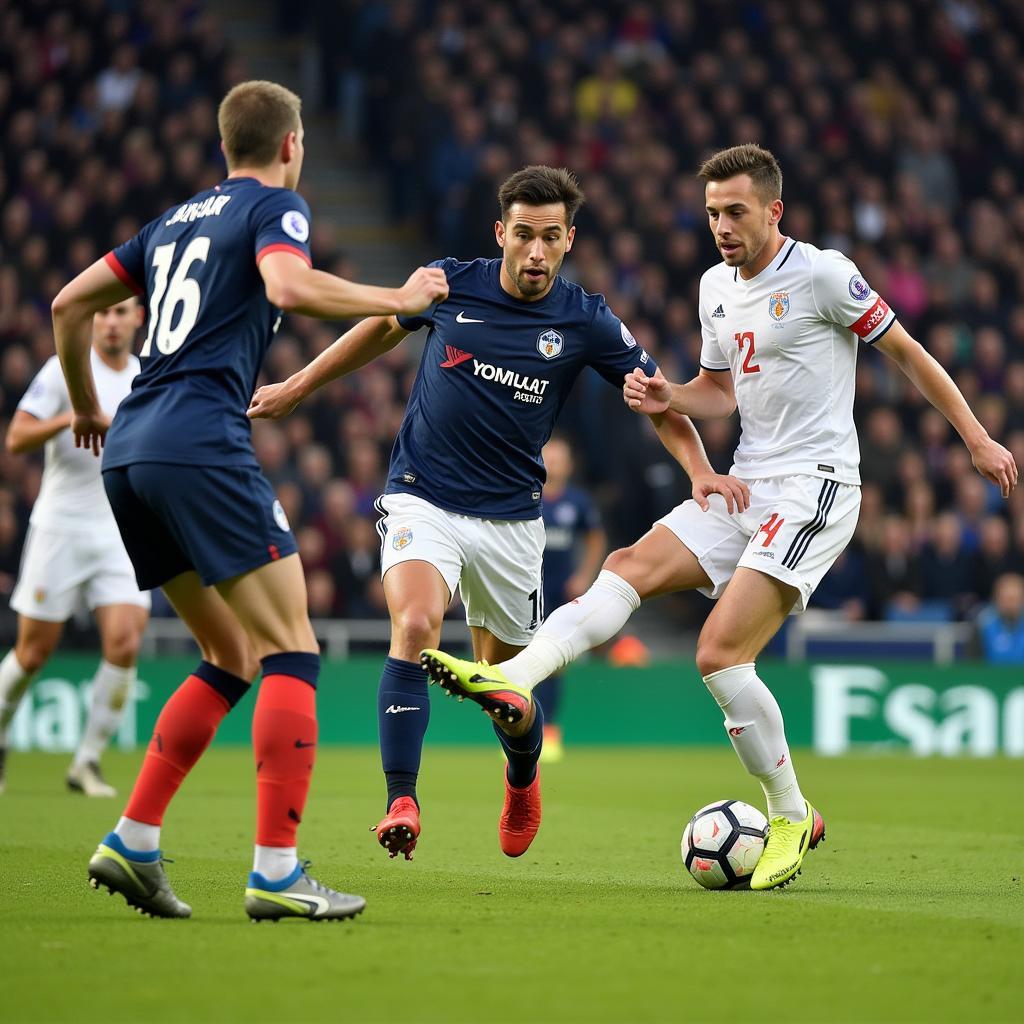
(778, 305)
(402, 538)
(550, 344)
(859, 288)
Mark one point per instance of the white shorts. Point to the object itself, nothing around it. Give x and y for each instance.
(496, 563)
(61, 571)
(794, 529)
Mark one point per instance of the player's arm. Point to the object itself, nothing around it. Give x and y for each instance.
(95, 288)
(27, 433)
(595, 547)
(358, 346)
(681, 440)
(708, 396)
(990, 458)
(295, 287)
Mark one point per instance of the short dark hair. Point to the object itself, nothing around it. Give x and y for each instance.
(253, 120)
(538, 185)
(751, 159)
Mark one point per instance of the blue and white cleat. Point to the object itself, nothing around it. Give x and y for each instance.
(138, 876)
(299, 896)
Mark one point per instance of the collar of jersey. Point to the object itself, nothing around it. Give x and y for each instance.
(780, 258)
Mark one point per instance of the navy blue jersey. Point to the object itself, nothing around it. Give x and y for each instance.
(495, 373)
(567, 520)
(210, 323)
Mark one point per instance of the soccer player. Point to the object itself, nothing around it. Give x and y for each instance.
(73, 553)
(197, 517)
(463, 499)
(781, 321)
(572, 532)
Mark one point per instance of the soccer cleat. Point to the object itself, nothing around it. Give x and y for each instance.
(298, 896)
(138, 877)
(485, 684)
(785, 848)
(399, 828)
(520, 817)
(86, 778)
(553, 750)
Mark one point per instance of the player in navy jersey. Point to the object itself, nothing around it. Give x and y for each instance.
(574, 547)
(463, 499)
(197, 517)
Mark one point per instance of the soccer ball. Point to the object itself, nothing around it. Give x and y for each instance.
(723, 842)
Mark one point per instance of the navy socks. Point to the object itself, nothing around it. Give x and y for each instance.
(403, 711)
(523, 751)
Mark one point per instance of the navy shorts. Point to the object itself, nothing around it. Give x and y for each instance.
(221, 521)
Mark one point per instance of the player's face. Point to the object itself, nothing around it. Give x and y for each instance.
(113, 329)
(535, 240)
(558, 462)
(741, 221)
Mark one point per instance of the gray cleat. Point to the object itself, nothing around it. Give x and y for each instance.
(88, 779)
(298, 896)
(143, 883)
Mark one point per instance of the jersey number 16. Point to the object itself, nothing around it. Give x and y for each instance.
(182, 291)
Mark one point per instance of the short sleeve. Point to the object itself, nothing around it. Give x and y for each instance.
(843, 297)
(711, 355)
(128, 262)
(613, 351)
(47, 395)
(426, 318)
(281, 222)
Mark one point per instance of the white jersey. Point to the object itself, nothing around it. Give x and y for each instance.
(789, 338)
(71, 497)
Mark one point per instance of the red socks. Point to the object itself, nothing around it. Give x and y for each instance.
(183, 731)
(284, 733)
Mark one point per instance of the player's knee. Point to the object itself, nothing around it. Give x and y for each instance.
(122, 647)
(233, 655)
(629, 564)
(414, 629)
(716, 653)
(32, 655)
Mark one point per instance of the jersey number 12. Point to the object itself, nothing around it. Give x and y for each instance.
(747, 338)
(182, 291)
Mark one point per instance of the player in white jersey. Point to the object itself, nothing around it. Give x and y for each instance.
(781, 324)
(73, 553)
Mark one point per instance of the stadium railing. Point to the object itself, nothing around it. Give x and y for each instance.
(812, 636)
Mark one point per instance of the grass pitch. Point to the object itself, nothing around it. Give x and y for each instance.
(914, 910)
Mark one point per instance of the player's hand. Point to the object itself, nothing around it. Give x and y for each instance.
(272, 401)
(90, 429)
(425, 286)
(649, 395)
(995, 463)
(735, 492)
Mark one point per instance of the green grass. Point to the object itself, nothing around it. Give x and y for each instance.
(912, 911)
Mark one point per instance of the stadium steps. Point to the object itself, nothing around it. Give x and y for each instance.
(343, 190)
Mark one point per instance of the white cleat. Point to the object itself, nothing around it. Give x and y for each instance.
(86, 779)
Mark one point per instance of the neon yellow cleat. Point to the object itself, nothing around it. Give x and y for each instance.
(785, 848)
(484, 684)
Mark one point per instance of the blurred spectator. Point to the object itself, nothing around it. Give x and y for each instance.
(1001, 624)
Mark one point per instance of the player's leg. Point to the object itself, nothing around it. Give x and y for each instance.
(523, 743)
(658, 563)
(36, 641)
(120, 627)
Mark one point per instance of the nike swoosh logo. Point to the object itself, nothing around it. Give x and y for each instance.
(299, 744)
(315, 903)
(463, 319)
(397, 710)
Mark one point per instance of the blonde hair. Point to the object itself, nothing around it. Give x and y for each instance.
(253, 120)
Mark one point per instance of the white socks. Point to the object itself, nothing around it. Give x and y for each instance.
(111, 687)
(275, 862)
(754, 723)
(137, 835)
(574, 628)
(14, 681)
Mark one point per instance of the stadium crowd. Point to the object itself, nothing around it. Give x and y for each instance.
(897, 126)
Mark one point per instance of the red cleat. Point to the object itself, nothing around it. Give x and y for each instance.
(520, 817)
(398, 831)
